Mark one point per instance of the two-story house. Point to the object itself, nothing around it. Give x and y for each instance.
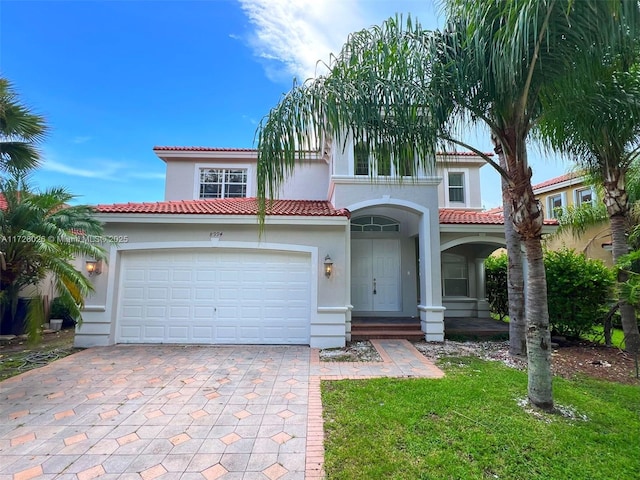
(340, 242)
(571, 190)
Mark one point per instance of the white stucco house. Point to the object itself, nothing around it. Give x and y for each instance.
(195, 268)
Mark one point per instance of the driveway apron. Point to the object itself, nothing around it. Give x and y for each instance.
(178, 412)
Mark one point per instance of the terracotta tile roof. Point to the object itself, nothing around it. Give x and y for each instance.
(223, 149)
(554, 181)
(230, 206)
(494, 211)
(470, 217)
(451, 216)
(204, 149)
(463, 154)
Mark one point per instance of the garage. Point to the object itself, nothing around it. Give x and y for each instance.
(214, 296)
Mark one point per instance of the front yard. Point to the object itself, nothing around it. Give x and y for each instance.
(472, 424)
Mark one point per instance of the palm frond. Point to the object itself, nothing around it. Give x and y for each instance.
(577, 219)
(20, 131)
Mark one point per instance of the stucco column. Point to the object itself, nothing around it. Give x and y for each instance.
(481, 290)
(431, 309)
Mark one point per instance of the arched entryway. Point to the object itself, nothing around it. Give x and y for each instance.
(394, 270)
(463, 276)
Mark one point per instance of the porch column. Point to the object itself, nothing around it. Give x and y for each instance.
(431, 309)
(481, 290)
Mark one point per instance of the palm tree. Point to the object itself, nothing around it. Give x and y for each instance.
(515, 272)
(596, 123)
(20, 131)
(403, 90)
(40, 234)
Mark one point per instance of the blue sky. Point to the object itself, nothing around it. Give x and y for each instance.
(116, 78)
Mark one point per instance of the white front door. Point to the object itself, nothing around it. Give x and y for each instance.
(375, 275)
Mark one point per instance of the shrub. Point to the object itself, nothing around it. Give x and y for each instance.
(59, 310)
(578, 289)
(496, 284)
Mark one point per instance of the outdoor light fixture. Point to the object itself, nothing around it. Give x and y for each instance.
(94, 267)
(328, 266)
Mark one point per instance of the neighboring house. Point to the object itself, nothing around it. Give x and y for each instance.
(340, 242)
(570, 190)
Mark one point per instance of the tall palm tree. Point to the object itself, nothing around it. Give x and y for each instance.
(596, 123)
(20, 131)
(40, 234)
(402, 90)
(515, 270)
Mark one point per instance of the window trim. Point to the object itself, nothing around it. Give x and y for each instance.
(551, 208)
(222, 166)
(391, 225)
(461, 260)
(465, 187)
(374, 165)
(578, 199)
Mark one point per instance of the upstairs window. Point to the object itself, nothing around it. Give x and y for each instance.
(361, 159)
(555, 205)
(456, 187)
(381, 162)
(223, 183)
(584, 196)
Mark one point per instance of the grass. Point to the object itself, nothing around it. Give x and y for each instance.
(469, 425)
(617, 336)
(17, 359)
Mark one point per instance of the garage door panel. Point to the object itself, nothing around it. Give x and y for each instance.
(156, 311)
(133, 311)
(181, 275)
(183, 293)
(228, 293)
(214, 297)
(154, 331)
(206, 275)
(134, 293)
(204, 312)
(179, 312)
(204, 293)
(157, 293)
(157, 275)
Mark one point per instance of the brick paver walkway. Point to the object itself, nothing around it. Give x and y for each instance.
(175, 412)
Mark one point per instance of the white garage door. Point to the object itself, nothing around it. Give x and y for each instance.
(196, 296)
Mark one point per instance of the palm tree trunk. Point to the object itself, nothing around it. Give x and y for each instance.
(515, 276)
(617, 202)
(627, 312)
(527, 221)
(538, 335)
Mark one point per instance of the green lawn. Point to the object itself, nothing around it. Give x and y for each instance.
(469, 425)
(617, 336)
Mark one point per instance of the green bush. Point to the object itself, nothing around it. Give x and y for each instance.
(59, 310)
(496, 284)
(579, 290)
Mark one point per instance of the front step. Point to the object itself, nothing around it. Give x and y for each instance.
(368, 331)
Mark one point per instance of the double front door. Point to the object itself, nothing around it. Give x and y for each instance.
(375, 275)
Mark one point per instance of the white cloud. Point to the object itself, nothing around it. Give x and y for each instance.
(81, 139)
(107, 170)
(53, 166)
(299, 33)
(147, 175)
(292, 35)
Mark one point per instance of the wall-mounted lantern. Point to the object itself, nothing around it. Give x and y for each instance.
(328, 266)
(94, 267)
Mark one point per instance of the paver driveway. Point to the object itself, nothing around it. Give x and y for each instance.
(177, 412)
